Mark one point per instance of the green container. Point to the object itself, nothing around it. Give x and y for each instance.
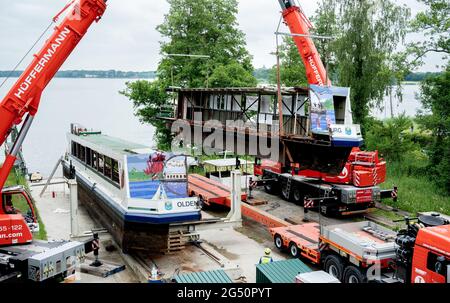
(280, 271)
(215, 276)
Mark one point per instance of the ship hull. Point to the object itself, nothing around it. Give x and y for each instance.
(131, 231)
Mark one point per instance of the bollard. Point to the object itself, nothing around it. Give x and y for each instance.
(96, 248)
(74, 227)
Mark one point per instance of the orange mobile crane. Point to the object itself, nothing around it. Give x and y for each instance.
(356, 188)
(23, 101)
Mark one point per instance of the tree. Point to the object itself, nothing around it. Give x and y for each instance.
(148, 99)
(435, 98)
(201, 27)
(392, 138)
(292, 69)
(206, 30)
(434, 24)
(367, 34)
(232, 75)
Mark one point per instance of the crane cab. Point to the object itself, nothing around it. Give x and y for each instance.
(18, 218)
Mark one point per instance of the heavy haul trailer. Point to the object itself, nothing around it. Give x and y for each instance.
(367, 252)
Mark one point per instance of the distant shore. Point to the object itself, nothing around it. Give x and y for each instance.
(91, 74)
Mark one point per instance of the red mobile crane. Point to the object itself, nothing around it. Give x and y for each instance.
(355, 189)
(23, 100)
(299, 26)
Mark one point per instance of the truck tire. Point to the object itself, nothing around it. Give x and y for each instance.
(297, 196)
(294, 250)
(285, 194)
(352, 274)
(271, 188)
(278, 241)
(334, 266)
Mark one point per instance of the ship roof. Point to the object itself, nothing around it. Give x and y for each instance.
(115, 144)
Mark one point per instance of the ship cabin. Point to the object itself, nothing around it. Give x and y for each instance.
(315, 128)
(135, 182)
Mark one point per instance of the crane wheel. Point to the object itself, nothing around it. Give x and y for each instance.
(271, 188)
(352, 274)
(297, 196)
(334, 266)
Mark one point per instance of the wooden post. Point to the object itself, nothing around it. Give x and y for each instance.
(74, 227)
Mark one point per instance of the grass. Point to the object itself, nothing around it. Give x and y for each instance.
(416, 193)
(19, 202)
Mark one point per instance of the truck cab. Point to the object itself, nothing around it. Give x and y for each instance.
(431, 259)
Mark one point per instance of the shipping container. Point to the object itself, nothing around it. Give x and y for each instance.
(215, 276)
(280, 271)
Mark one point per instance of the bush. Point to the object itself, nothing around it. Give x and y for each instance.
(392, 138)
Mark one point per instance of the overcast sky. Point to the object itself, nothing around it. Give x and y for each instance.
(126, 38)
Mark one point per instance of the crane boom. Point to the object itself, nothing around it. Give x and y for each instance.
(24, 97)
(299, 25)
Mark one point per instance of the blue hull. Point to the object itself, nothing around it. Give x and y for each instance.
(137, 217)
(347, 143)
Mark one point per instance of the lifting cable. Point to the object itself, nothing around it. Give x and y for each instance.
(28, 52)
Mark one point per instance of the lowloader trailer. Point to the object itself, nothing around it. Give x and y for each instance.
(367, 252)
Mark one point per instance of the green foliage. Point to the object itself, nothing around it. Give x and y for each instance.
(417, 193)
(292, 69)
(193, 27)
(262, 74)
(392, 138)
(434, 24)
(363, 54)
(201, 27)
(232, 75)
(435, 98)
(148, 99)
(417, 77)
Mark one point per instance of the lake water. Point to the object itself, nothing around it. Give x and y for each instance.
(94, 103)
(409, 105)
(97, 104)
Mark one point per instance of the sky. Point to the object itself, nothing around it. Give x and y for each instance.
(126, 38)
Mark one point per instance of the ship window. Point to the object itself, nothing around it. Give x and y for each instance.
(108, 167)
(115, 175)
(82, 153)
(88, 156)
(101, 163)
(74, 148)
(94, 160)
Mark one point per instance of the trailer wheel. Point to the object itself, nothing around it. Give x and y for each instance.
(293, 249)
(278, 242)
(352, 274)
(334, 266)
